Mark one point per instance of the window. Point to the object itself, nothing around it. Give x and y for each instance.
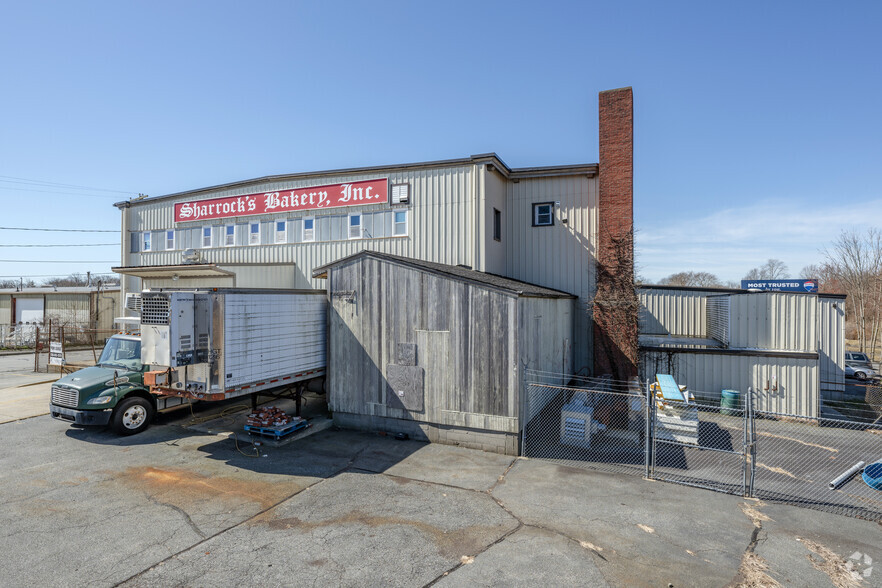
(543, 214)
(308, 229)
(400, 226)
(497, 225)
(254, 234)
(146, 241)
(281, 231)
(229, 235)
(206, 237)
(355, 226)
(169, 240)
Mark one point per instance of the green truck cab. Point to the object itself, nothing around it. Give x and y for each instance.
(111, 392)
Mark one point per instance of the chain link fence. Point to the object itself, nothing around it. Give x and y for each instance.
(626, 427)
(82, 346)
(18, 336)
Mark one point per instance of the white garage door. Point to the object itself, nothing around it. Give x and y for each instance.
(28, 310)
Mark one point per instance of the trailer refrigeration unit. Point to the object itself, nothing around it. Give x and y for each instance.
(222, 343)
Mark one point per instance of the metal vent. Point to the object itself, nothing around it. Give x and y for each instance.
(718, 318)
(202, 343)
(186, 342)
(63, 396)
(400, 193)
(574, 429)
(133, 302)
(154, 310)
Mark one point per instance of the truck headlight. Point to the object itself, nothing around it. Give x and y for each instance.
(100, 400)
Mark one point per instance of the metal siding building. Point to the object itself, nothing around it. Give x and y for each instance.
(788, 347)
(424, 347)
(86, 307)
(451, 218)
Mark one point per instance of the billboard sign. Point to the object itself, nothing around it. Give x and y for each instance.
(311, 198)
(784, 285)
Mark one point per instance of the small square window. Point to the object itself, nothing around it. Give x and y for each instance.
(147, 241)
(169, 240)
(543, 214)
(497, 225)
(355, 226)
(206, 237)
(400, 193)
(254, 234)
(281, 231)
(229, 235)
(400, 226)
(308, 229)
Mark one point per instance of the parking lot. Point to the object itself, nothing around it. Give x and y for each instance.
(191, 502)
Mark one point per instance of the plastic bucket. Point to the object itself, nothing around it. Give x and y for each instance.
(730, 403)
(873, 475)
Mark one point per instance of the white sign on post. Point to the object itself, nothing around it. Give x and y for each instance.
(56, 353)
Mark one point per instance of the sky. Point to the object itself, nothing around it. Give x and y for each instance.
(758, 125)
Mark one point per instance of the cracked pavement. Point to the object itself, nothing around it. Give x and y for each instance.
(179, 507)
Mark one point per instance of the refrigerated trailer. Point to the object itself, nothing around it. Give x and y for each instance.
(222, 343)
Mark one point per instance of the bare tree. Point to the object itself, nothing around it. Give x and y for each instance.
(855, 263)
(71, 280)
(773, 269)
(17, 283)
(690, 278)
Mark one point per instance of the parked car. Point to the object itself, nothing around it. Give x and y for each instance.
(858, 358)
(861, 372)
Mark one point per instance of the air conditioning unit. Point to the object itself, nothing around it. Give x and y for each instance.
(400, 193)
(191, 256)
(133, 302)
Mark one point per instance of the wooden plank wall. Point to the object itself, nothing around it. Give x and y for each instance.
(466, 336)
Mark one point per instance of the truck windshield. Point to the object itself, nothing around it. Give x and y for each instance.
(121, 353)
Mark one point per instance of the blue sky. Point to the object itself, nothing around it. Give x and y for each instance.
(758, 125)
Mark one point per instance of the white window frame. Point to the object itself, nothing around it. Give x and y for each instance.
(536, 214)
(359, 226)
(308, 235)
(253, 236)
(396, 224)
(280, 236)
(205, 245)
(170, 244)
(229, 235)
(146, 241)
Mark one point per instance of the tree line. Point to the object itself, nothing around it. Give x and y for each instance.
(74, 279)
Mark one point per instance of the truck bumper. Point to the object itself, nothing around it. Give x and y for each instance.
(80, 417)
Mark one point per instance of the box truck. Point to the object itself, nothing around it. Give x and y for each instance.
(200, 345)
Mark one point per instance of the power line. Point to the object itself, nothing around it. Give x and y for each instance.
(59, 230)
(17, 189)
(60, 185)
(77, 245)
(56, 261)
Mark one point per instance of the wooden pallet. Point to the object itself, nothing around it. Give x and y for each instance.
(277, 432)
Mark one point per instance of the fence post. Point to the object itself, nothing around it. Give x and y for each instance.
(752, 422)
(647, 432)
(37, 350)
(745, 416)
(526, 415)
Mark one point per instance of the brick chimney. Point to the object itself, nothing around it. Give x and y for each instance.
(615, 302)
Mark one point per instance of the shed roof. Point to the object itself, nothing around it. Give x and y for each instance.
(59, 290)
(453, 271)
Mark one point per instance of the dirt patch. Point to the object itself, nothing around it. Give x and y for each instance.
(184, 487)
(647, 528)
(752, 512)
(836, 568)
(453, 544)
(752, 573)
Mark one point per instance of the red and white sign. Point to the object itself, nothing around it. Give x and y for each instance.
(312, 198)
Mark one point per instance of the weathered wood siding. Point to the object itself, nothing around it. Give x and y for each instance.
(468, 340)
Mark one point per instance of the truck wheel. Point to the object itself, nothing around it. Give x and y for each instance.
(132, 416)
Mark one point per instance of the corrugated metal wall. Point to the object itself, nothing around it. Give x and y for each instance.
(68, 308)
(774, 320)
(560, 256)
(5, 309)
(680, 313)
(784, 385)
(831, 343)
(440, 197)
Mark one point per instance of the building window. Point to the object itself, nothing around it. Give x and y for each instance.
(308, 229)
(254, 234)
(169, 240)
(497, 225)
(146, 241)
(355, 226)
(543, 214)
(281, 231)
(400, 226)
(206, 237)
(229, 235)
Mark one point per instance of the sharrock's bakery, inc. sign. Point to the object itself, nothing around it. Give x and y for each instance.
(312, 198)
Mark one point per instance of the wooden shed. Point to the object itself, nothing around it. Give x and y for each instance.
(438, 351)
